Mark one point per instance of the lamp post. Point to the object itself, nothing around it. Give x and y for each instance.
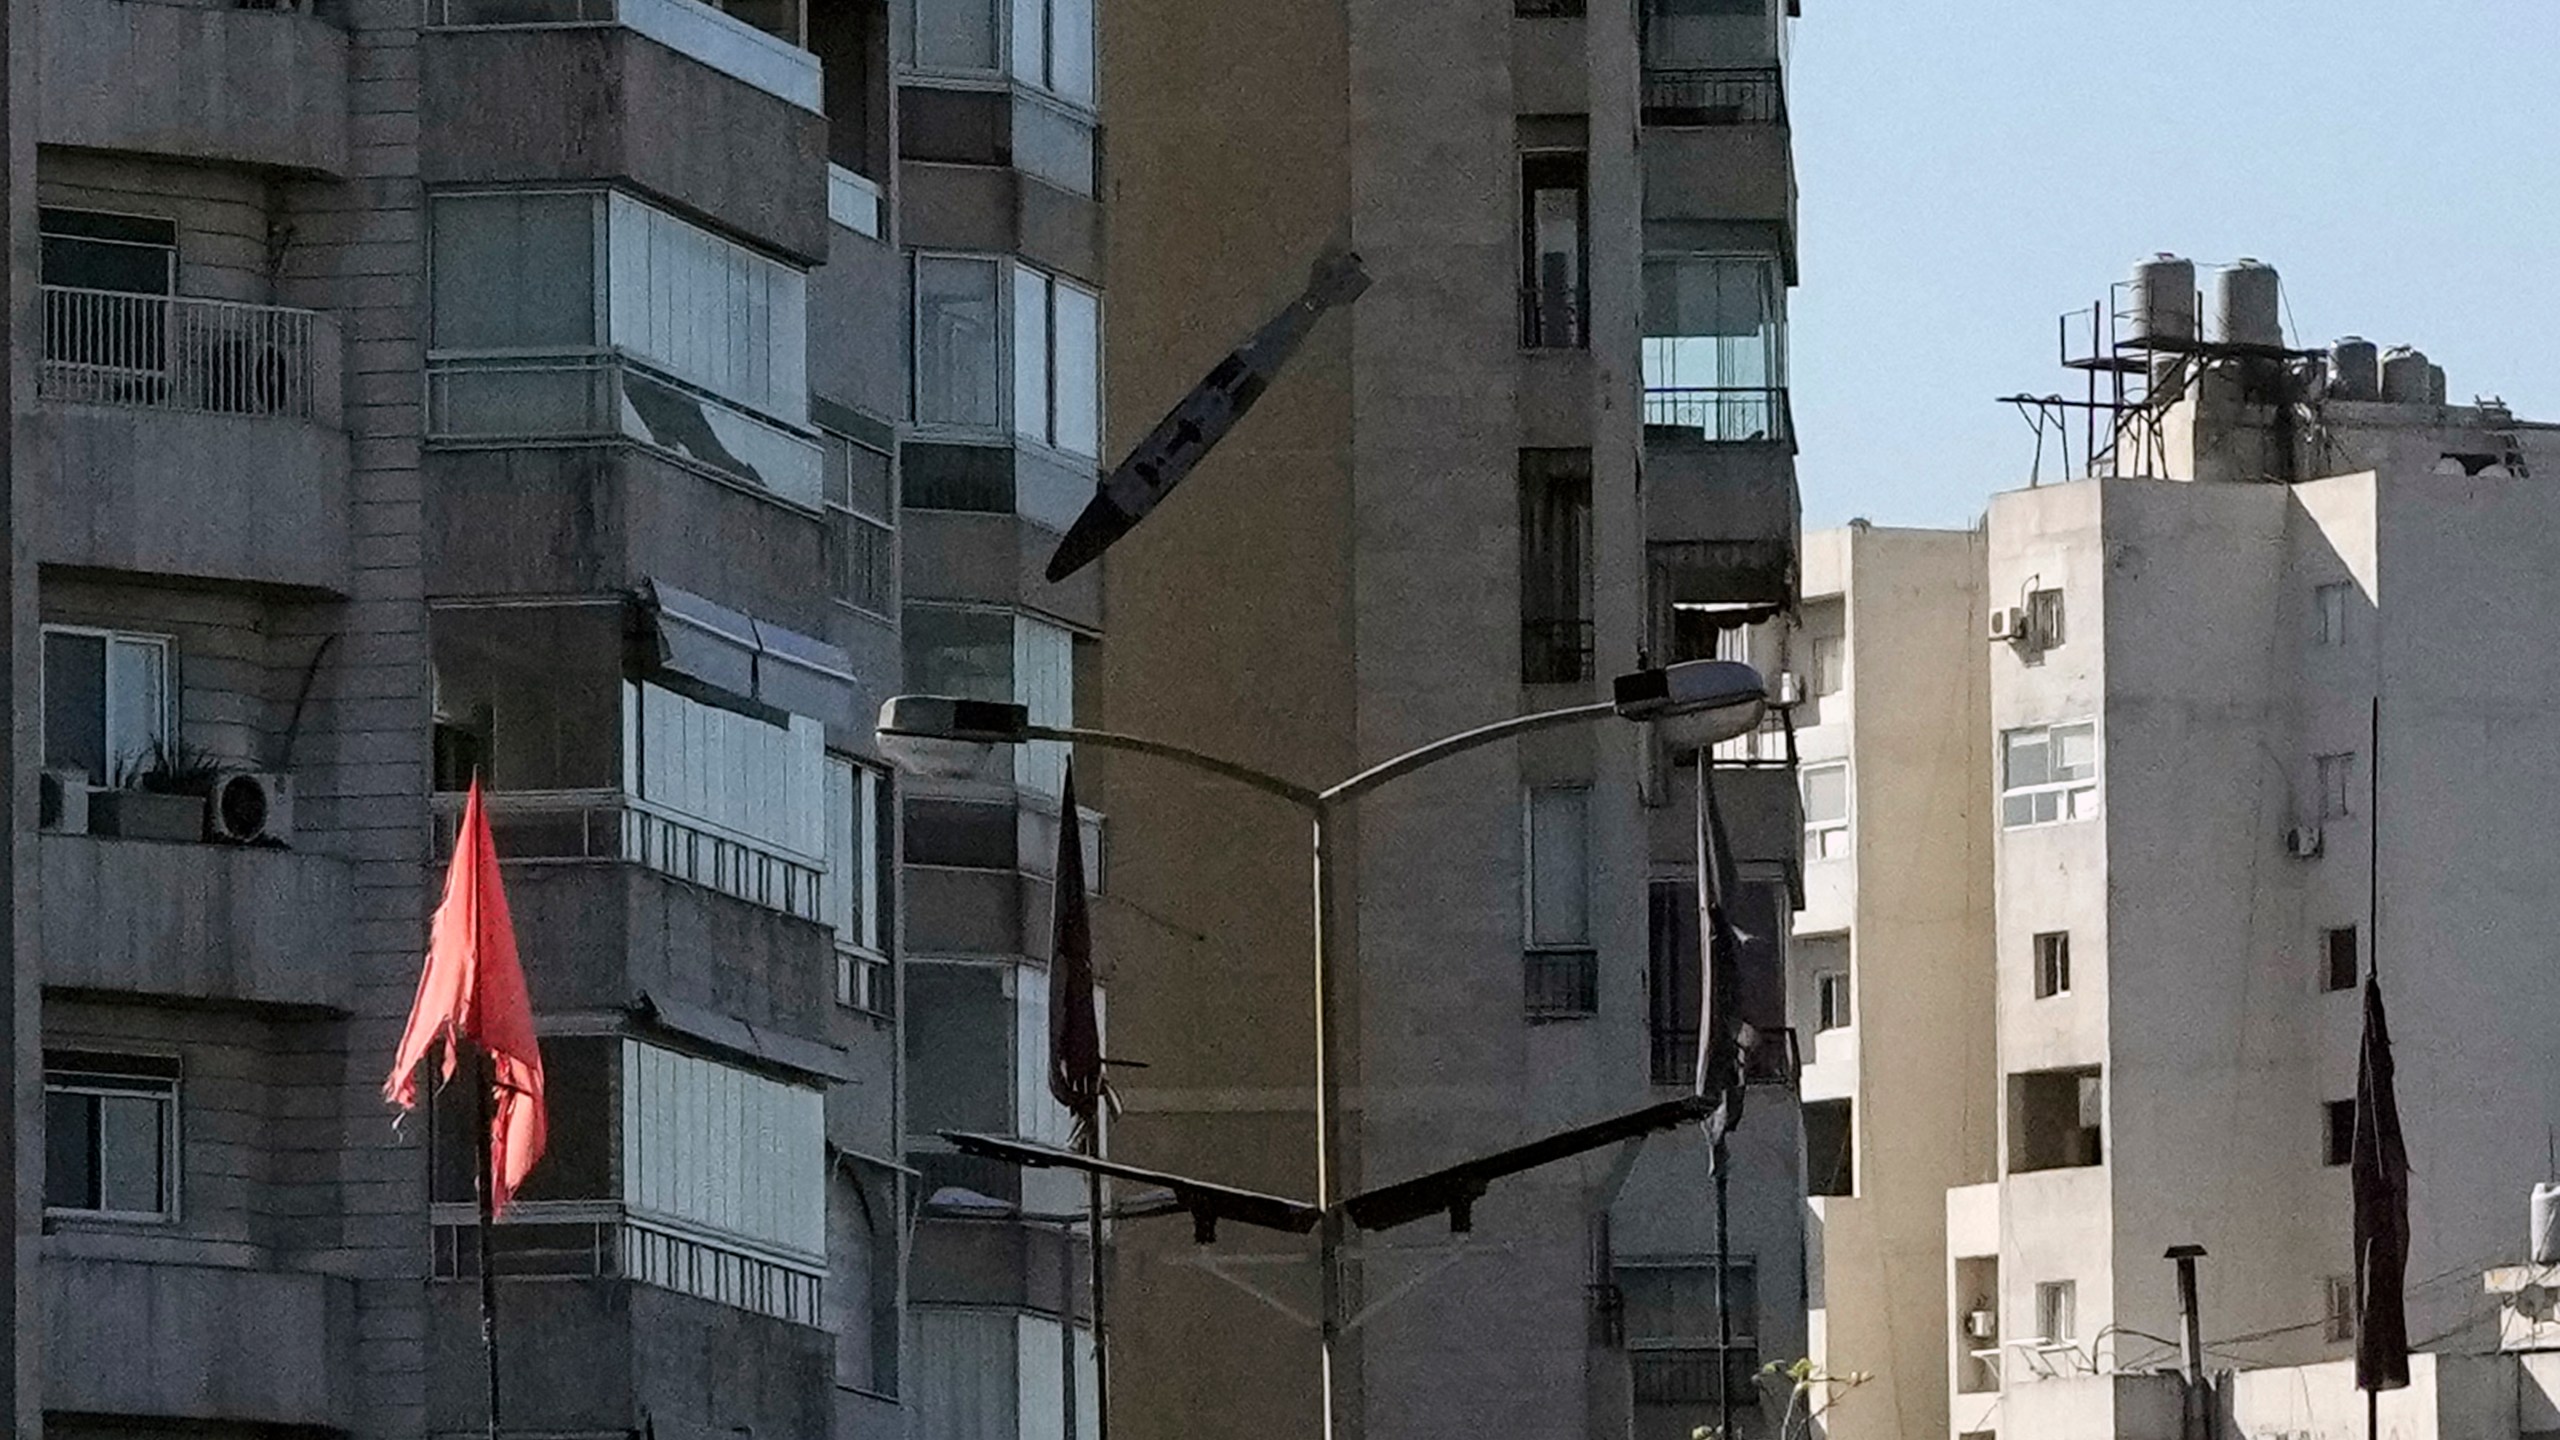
(946, 736)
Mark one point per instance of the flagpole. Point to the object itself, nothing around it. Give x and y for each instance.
(2373, 971)
(1713, 1022)
(487, 1074)
(1101, 1353)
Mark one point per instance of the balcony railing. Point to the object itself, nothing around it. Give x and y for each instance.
(1751, 95)
(1722, 414)
(1687, 1375)
(1555, 652)
(572, 825)
(865, 982)
(167, 352)
(1776, 1060)
(1551, 317)
(1559, 984)
(1546, 9)
(726, 44)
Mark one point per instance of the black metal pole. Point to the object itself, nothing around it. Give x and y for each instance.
(1724, 1303)
(484, 1072)
(1101, 1349)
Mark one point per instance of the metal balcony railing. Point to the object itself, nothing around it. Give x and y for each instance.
(1742, 95)
(604, 825)
(1551, 317)
(1686, 1375)
(1542, 9)
(168, 352)
(722, 41)
(1776, 1060)
(1722, 413)
(1559, 984)
(1555, 652)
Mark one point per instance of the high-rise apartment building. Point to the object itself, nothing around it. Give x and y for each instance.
(1550, 442)
(412, 392)
(2267, 659)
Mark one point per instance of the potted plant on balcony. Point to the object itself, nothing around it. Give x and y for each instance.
(159, 795)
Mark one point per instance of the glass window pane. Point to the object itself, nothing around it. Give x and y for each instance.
(709, 311)
(2018, 810)
(956, 34)
(513, 272)
(1044, 681)
(70, 1151)
(2025, 762)
(137, 698)
(1826, 794)
(957, 343)
(530, 694)
(1031, 354)
(959, 1034)
(131, 1149)
(1078, 352)
(1071, 49)
(1041, 1372)
(968, 653)
(75, 703)
(2075, 752)
(1030, 42)
(1559, 867)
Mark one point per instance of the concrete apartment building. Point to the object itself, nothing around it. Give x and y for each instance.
(2169, 727)
(1551, 441)
(407, 391)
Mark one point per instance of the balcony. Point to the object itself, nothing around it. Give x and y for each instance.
(1719, 415)
(203, 922)
(247, 1348)
(1705, 98)
(152, 403)
(671, 97)
(1716, 146)
(226, 84)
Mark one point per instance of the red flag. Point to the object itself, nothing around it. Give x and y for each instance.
(473, 989)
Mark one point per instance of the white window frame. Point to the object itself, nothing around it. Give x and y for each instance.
(1827, 838)
(2052, 963)
(1041, 62)
(2073, 797)
(1046, 430)
(2046, 620)
(863, 975)
(2338, 1307)
(2333, 779)
(165, 1090)
(1834, 1002)
(2057, 1310)
(1001, 422)
(2329, 613)
(1530, 920)
(1826, 663)
(845, 517)
(166, 729)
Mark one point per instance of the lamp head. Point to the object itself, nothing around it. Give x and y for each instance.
(946, 737)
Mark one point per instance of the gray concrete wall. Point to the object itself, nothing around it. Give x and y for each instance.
(858, 325)
(212, 922)
(993, 559)
(1733, 172)
(989, 208)
(604, 104)
(225, 215)
(234, 87)
(222, 1344)
(582, 520)
(239, 498)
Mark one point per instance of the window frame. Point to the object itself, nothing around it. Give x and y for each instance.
(2057, 1300)
(1826, 662)
(1555, 487)
(847, 517)
(169, 251)
(2329, 614)
(2333, 782)
(2332, 982)
(2052, 959)
(1529, 870)
(164, 1073)
(2338, 1309)
(2076, 797)
(2337, 1133)
(1820, 834)
(1047, 436)
(1536, 166)
(166, 728)
(2046, 628)
(1833, 1001)
(1000, 299)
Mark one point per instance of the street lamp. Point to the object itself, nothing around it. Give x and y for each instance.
(948, 737)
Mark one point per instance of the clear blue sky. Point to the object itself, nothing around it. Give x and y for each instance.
(1970, 170)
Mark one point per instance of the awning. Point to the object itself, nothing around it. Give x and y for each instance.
(727, 1032)
(751, 659)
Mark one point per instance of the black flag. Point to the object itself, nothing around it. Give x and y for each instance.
(1075, 1027)
(1721, 1033)
(2379, 1169)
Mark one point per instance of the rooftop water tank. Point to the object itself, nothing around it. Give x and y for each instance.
(2546, 1224)
(2355, 369)
(2406, 377)
(2164, 298)
(2248, 304)
(2435, 384)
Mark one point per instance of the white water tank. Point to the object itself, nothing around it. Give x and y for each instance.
(2355, 369)
(2546, 1224)
(2407, 379)
(2248, 304)
(2164, 298)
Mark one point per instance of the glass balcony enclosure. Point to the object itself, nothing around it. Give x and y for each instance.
(1715, 346)
(754, 41)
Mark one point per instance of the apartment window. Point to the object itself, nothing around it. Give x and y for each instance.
(2337, 1132)
(866, 1222)
(1830, 1148)
(1053, 46)
(2339, 965)
(1674, 1334)
(528, 697)
(107, 699)
(1559, 867)
(2044, 619)
(986, 654)
(1759, 911)
(111, 1135)
(859, 883)
(861, 528)
(99, 250)
(2339, 1309)
(2057, 1311)
(2048, 773)
(2053, 964)
(1057, 362)
(1715, 345)
(959, 343)
(2056, 1119)
(1826, 658)
(2329, 613)
(2334, 776)
(1831, 1000)
(1555, 567)
(1556, 257)
(579, 1079)
(1826, 811)
(955, 34)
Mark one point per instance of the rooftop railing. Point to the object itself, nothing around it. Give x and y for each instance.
(1734, 95)
(169, 352)
(722, 41)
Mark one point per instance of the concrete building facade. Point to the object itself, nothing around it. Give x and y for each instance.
(409, 393)
(1550, 443)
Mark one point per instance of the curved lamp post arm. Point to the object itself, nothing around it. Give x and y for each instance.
(1441, 749)
(1298, 795)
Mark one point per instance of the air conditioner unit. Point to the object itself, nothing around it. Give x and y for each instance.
(250, 807)
(1790, 689)
(1982, 1324)
(2302, 842)
(62, 801)
(2009, 623)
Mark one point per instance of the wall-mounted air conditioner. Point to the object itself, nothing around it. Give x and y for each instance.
(1982, 1324)
(250, 807)
(2009, 623)
(62, 801)
(2302, 842)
